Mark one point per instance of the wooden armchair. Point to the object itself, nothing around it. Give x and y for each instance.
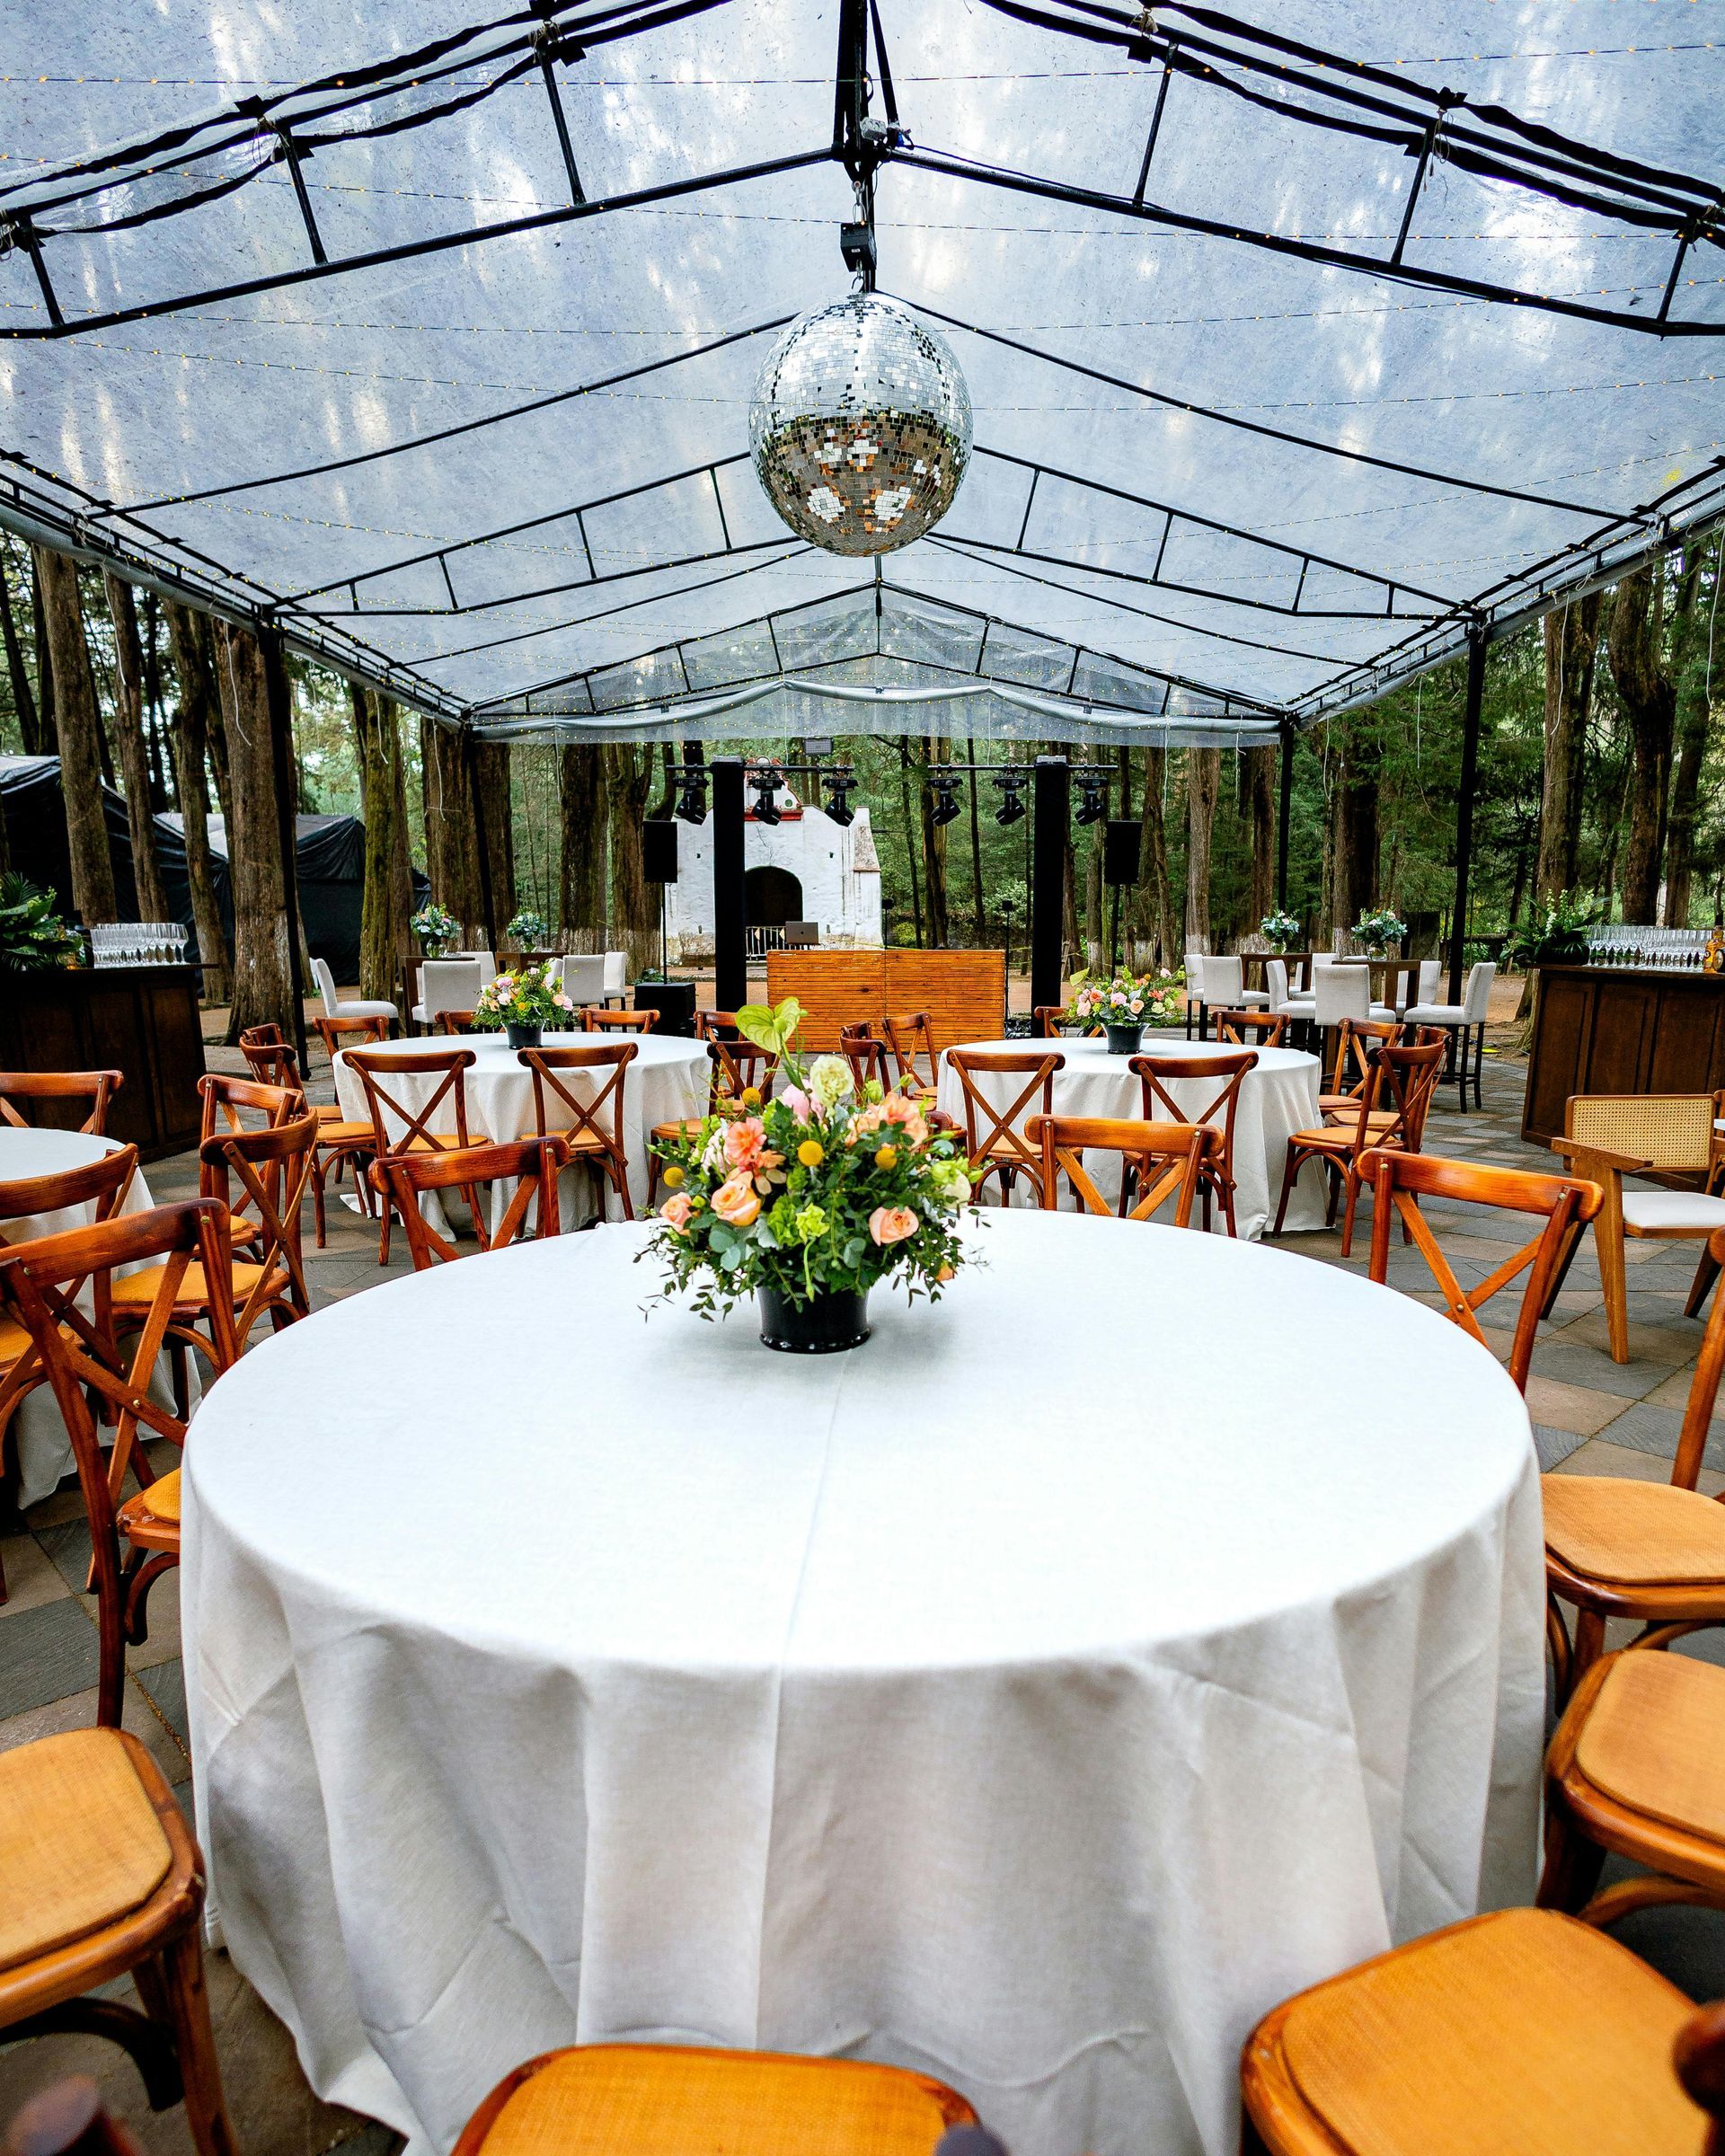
(1226, 1074)
(400, 1126)
(338, 1033)
(1607, 1137)
(95, 1088)
(532, 1164)
(996, 1140)
(1167, 1160)
(1390, 1112)
(649, 2099)
(590, 1130)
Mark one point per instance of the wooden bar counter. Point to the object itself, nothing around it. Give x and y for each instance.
(1621, 1029)
(142, 1021)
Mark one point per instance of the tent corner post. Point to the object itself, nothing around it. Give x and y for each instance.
(730, 932)
(1478, 637)
(278, 698)
(1284, 810)
(1051, 797)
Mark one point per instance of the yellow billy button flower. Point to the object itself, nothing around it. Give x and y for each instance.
(811, 1152)
(887, 1157)
(751, 1096)
(671, 1176)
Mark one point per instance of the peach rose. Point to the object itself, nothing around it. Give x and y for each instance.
(890, 1224)
(675, 1210)
(744, 1142)
(735, 1201)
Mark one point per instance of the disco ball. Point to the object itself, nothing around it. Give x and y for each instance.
(859, 426)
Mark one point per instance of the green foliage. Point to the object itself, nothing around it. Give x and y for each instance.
(33, 939)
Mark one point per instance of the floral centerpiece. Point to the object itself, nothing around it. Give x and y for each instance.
(528, 930)
(1125, 1004)
(1379, 932)
(522, 1004)
(438, 931)
(33, 939)
(806, 1201)
(1280, 930)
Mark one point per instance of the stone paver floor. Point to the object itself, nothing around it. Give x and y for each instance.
(1591, 1415)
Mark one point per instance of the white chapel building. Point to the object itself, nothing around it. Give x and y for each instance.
(805, 868)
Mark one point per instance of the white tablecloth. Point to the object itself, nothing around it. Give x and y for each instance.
(669, 1078)
(37, 1435)
(1034, 1694)
(1277, 1099)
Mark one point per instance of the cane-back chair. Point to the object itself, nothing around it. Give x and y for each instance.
(1221, 1077)
(1251, 1028)
(1167, 1160)
(1671, 1136)
(104, 1880)
(94, 1089)
(596, 1019)
(997, 1140)
(1356, 1038)
(41, 1283)
(908, 1040)
(1390, 1112)
(401, 1124)
(627, 2099)
(592, 1129)
(1521, 2032)
(531, 1164)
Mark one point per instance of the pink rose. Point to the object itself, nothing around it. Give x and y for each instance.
(735, 1201)
(889, 1224)
(675, 1210)
(744, 1142)
(797, 1101)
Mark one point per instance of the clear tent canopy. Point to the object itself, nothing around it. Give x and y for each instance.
(1301, 353)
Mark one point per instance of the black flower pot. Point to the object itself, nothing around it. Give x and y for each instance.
(524, 1037)
(827, 1325)
(1124, 1040)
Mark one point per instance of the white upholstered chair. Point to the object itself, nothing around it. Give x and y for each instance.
(333, 1008)
(584, 980)
(446, 984)
(616, 974)
(1341, 989)
(1465, 1021)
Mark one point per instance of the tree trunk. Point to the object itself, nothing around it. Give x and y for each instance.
(134, 750)
(933, 851)
(86, 822)
(1095, 930)
(1572, 636)
(383, 934)
(1359, 894)
(977, 902)
(1155, 901)
(1649, 697)
(47, 724)
(262, 977)
(494, 832)
(190, 738)
(23, 700)
(1691, 677)
(218, 765)
(1203, 778)
(450, 826)
(1260, 806)
(910, 836)
(582, 878)
(634, 907)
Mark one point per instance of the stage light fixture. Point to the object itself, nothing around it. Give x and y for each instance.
(946, 801)
(766, 784)
(1092, 801)
(1011, 797)
(691, 797)
(838, 808)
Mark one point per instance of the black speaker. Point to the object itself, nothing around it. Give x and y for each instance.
(1120, 850)
(659, 849)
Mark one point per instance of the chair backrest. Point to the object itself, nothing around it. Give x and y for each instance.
(739, 1064)
(616, 972)
(1703, 1387)
(1168, 1158)
(450, 984)
(532, 1164)
(1276, 981)
(993, 1134)
(1431, 973)
(97, 1088)
(866, 1055)
(596, 1019)
(269, 1058)
(270, 1169)
(1341, 990)
(599, 1114)
(412, 1126)
(907, 1037)
(1564, 1203)
(1195, 977)
(1265, 1028)
(1225, 979)
(1411, 1071)
(334, 1032)
(455, 1021)
(721, 1025)
(485, 959)
(584, 978)
(326, 981)
(1476, 995)
(1221, 1076)
(235, 1104)
(1673, 1132)
(104, 1183)
(1356, 1038)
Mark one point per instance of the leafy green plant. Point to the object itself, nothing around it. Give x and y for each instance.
(33, 939)
(1379, 930)
(528, 930)
(1280, 930)
(436, 930)
(1554, 933)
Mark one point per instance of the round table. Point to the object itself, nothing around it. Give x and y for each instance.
(37, 1435)
(1034, 1695)
(1277, 1098)
(670, 1077)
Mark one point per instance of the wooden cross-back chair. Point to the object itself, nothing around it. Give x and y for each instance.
(596, 1019)
(1167, 1161)
(1391, 1111)
(1356, 1038)
(455, 1021)
(96, 1088)
(866, 1055)
(399, 1127)
(1046, 1024)
(1251, 1028)
(738, 1067)
(996, 1140)
(716, 1025)
(342, 1143)
(103, 1185)
(40, 1284)
(337, 1033)
(1226, 1074)
(532, 1164)
(906, 1040)
(591, 1131)
(271, 1059)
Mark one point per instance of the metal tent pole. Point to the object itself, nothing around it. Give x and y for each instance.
(729, 937)
(1051, 796)
(1476, 642)
(278, 698)
(1284, 812)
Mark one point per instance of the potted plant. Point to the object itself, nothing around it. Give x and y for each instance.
(33, 939)
(807, 1201)
(1556, 934)
(1125, 1005)
(528, 930)
(522, 1004)
(1379, 932)
(1282, 932)
(438, 931)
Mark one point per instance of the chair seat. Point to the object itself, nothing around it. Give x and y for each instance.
(688, 1127)
(81, 1846)
(139, 1288)
(371, 1009)
(1653, 1737)
(1625, 1534)
(627, 2099)
(1523, 2032)
(158, 1501)
(581, 1141)
(1332, 1137)
(441, 1141)
(1435, 1014)
(1672, 1213)
(337, 1133)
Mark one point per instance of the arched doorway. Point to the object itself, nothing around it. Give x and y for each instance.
(771, 898)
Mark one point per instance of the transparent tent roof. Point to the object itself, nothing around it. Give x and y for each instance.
(1298, 351)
